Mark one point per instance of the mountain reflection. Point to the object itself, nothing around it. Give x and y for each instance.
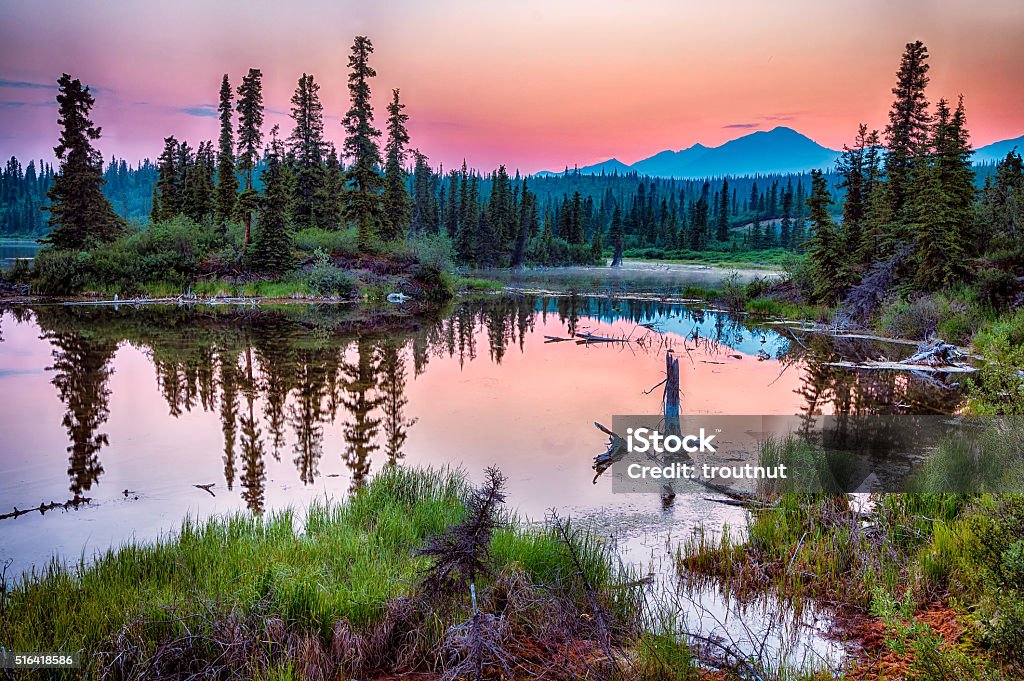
(280, 379)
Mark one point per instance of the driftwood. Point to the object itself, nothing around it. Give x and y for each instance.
(43, 508)
(208, 488)
(934, 357)
(582, 338)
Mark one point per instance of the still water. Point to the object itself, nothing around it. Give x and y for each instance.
(11, 250)
(154, 413)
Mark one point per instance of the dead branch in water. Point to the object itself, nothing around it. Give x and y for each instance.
(43, 508)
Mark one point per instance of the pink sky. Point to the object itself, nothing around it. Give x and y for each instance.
(533, 84)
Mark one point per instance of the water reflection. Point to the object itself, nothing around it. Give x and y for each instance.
(279, 379)
(81, 366)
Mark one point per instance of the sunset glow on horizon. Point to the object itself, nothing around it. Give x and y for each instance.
(532, 85)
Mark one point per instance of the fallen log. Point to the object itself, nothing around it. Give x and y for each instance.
(903, 366)
(44, 507)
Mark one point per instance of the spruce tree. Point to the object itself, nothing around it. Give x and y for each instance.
(250, 137)
(80, 215)
(168, 190)
(395, 199)
(527, 225)
(272, 243)
(825, 248)
(617, 237)
(361, 147)
(943, 197)
(306, 148)
(722, 228)
(907, 136)
(227, 182)
(786, 226)
(327, 200)
(200, 192)
(425, 203)
(853, 168)
(699, 221)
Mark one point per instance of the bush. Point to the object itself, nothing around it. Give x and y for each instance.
(327, 279)
(59, 272)
(982, 556)
(18, 273)
(996, 288)
(998, 386)
(433, 250)
(342, 242)
(951, 316)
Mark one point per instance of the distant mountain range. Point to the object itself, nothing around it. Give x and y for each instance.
(780, 150)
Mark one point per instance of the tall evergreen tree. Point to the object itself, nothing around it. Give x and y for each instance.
(227, 182)
(306, 148)
(250, 137)
(199, 199)
(699, 220)
(527, 225)
(80, 215)
(722, 227)
(616, 236)
(825, 249)
(327, 201)
(272, 242)
(786, 225)
(361, 148)
(395, 199)
(168, 190)
(907, 134)
(854, 167)
(943, 196)
(425, 216)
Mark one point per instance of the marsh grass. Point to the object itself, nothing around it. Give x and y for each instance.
(250, 597)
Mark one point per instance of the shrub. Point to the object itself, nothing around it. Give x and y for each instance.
(18, 273)
(342, 242)
(998, 386)
(58, 272)
(432, 250)
(438, 285)
(952, 316)
(327, 279)
(996, 288)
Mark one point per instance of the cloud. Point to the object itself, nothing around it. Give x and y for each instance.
(204, 110)
(744, 126)
(24, 84)
(17, 104)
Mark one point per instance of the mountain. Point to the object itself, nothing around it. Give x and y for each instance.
(997, 151)
(668, 162)
(781, 150)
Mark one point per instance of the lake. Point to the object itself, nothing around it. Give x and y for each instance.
(17, 249)
(155, 413)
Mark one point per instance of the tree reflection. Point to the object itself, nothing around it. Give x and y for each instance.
(359, 398)
(280, 379)
(82, 370)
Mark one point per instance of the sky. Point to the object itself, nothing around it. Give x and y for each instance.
(534, 85)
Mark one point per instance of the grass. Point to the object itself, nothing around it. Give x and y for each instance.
(348, 566)
(771, 258)
(998, 386)
(921, 569)
(477, 285)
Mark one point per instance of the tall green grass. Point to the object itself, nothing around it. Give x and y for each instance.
(347, 562)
